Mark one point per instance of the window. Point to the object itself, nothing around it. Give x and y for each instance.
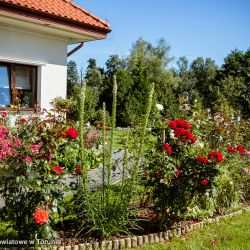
(18, 86)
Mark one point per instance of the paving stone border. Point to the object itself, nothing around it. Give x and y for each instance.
(136, 241)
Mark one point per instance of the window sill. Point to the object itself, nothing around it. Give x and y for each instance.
(21, 111)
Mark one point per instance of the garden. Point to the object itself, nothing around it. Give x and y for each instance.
(172, 171)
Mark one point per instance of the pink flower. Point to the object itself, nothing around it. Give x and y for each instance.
(17, 142)
(247, 153)
(167, 148)
(205, 182)
(245, 170)
(35, 147)
(28, 159)
(5, 130)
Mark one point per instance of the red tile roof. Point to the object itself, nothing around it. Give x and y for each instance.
(64, 10)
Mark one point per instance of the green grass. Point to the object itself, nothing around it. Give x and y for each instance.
(119, 139)
(231, 233)
(120, 136)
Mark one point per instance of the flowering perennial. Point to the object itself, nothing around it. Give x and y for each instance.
(205, 182)
(56, 170)
(72, 133)
(167, 148)
(181, 130)
(231, 149)
(4, 114)
(180, 123)
(240, 149)
(41, 216)
(217, 156)
(78, 170)
(203, 160)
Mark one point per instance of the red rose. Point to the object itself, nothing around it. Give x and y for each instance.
(205, 182)
(106, 129)
(231, 149)
(167, 148)
(41, 216)
(78, 170)
(203, 160)
(184, 135)
(23, 120)
(158, 173)
(217, 156)
(240, 149)
(56, 170)
(4, 114)
(180, 123)
(72, 133)
(177, 172)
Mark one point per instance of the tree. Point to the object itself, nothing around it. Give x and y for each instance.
(94, 75)
(204, 73)
(186, 80)
(116, 66)
(147, 64)
(235, 76)
(72, 77)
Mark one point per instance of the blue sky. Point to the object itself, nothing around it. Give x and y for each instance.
(192, 28)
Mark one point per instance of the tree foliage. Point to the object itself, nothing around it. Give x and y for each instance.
(200, 79)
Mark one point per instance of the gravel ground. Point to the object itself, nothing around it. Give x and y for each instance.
(95, 175)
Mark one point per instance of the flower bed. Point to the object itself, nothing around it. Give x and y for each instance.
(177, 167)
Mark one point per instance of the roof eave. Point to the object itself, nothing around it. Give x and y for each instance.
(60, 23)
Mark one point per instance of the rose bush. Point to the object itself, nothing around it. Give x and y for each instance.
(179, 169)
(32, 171)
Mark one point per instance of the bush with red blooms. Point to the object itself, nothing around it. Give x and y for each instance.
(178, 170)
(236, 149)
(34, 158)
(181, 129)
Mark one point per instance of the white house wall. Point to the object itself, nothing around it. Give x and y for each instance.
(46, 52)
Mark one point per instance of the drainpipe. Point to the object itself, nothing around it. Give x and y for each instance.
(75, 49)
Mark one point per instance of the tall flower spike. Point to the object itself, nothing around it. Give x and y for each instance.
(142, 135)
(113, 125)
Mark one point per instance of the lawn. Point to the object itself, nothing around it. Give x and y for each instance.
(232, 233)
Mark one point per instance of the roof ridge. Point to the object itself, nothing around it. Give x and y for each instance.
(88, 12)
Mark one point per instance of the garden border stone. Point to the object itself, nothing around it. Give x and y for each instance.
(134, 241)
